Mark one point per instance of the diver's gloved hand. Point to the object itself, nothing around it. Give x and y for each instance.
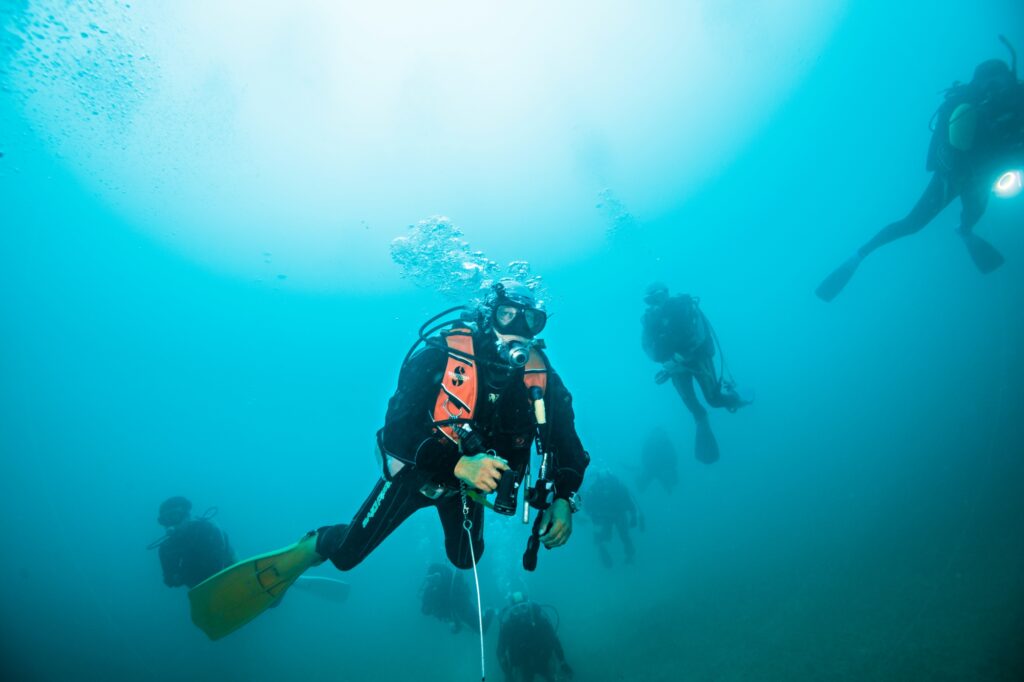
(670, 368)
(556, 524)
(481, 471)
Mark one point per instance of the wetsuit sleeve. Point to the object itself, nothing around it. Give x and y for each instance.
(570, 457)
(408, 433)
(648, 335)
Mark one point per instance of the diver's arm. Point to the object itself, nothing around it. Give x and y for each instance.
(408, 434)
(481, 471)
(648, 335)
(170, 562)
(631, 509)
(570, 457)
(571, 461)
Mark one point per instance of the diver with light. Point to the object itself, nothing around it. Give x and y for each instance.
(976, 150)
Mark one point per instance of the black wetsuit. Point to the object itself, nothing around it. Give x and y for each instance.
(446, 596)
(679, 327)
(193, 551)
(998, 146)
(611, 508)
(504, 419)
(528, 645)
(658, 461)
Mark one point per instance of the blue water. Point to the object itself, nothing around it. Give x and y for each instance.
(865, 520)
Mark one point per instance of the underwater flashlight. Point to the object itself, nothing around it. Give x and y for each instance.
(1009, 184)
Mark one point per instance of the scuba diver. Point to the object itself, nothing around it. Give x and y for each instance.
(658, 461)
(445, 595)
(193, 548)
(977, 135)
(528, 644)
(460, 425)
(611, 507)
(677, 334)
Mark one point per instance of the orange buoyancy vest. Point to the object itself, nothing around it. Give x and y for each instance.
(456, 401)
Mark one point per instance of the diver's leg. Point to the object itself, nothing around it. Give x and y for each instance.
(387, 506)
(602, 535)
(627, 541)
(449, 509)
(974, 201)
(936, 197)
(684, 387)
(705, 446)
(711, 387)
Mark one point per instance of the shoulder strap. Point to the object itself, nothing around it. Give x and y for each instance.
(456, 401)
(536, 371)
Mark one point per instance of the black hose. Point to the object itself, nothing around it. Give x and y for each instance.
(533, 545)
(426, 330)
(558, 616)
(156, 543)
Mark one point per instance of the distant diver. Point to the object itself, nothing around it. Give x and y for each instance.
(676, 333)
(613, 510)
(658, 461)
(528, 644)
(445, 596)
(977, 139)
(193, 548)
(468, 407)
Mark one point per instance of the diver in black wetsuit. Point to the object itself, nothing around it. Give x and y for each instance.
(469, 407)
(445, 595)
(528, 646)
(423, 465)
(658, 461)
(612, 509)
(678, 335)
(978, 134)
(193, 548)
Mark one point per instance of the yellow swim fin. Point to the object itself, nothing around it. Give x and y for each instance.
(228, 600)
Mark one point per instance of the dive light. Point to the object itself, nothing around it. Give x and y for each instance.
(1009, 184)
